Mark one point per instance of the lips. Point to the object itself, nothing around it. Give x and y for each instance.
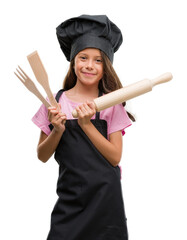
(89, 74)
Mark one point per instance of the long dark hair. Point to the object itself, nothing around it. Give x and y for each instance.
(109, 82)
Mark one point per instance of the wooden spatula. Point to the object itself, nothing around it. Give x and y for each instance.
(41, 75)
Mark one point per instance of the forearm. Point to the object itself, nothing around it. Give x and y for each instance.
(47, 147)
(109, 150)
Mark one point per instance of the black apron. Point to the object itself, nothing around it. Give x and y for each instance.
(90, 204)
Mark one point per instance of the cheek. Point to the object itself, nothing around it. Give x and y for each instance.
(76, 68)
(78, 65)
(101, 72)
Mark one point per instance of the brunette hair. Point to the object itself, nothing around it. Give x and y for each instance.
(109, 82)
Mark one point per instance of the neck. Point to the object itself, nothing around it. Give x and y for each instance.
(87, 91)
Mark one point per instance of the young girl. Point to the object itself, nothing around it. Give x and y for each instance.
(88, 149)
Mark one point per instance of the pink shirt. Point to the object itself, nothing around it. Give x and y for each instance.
(116, 116)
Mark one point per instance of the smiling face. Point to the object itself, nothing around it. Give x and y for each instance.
(88, 66)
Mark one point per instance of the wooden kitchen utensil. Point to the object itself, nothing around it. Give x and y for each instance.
(29, 84)
(41, 75)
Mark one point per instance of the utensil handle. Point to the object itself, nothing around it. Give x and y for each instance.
(41, 98)
(128, 92)
(51, 97)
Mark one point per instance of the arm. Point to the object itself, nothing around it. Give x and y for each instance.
(111, 149)
(48, 144)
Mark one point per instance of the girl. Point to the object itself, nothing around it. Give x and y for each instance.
(88, 149)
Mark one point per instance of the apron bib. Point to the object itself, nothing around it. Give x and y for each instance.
(90, 203)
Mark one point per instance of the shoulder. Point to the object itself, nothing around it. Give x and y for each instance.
(116, 117)
(41, 119)
(114, 112)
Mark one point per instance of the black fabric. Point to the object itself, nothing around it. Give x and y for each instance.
(90, 203)
(96, 31)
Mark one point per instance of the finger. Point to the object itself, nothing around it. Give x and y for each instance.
(52, 115)
(59, 116)
(85, 110)
(56, 121)
(61, 120)
(52, 112)
(52, 109)
(91, 105)
(80, 112)
(62, 115)
(64, 122)
(88, 109)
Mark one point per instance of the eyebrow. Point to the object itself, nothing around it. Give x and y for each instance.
(87, 54)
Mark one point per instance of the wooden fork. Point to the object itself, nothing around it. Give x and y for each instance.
(29, 84)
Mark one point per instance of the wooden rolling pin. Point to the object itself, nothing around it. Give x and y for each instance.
(128, 92)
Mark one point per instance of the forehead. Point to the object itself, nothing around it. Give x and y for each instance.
(91, 51)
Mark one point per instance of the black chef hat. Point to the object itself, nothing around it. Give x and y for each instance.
(86, 31)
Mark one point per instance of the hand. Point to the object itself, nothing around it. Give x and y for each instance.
(57, 118)
(85, 112)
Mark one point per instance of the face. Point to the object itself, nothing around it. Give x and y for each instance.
(88, 66)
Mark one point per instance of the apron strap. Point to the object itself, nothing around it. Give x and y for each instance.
(98, 113)
(59, 93)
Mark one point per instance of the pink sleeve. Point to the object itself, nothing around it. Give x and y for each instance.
(119, 120)
(41, 119)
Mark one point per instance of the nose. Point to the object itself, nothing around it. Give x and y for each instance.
(89, 64)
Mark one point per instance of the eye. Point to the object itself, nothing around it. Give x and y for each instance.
(82, 57)
(99, 60)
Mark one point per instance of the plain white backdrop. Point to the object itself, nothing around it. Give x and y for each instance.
(154, 168)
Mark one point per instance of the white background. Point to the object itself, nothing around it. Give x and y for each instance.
(154, 156)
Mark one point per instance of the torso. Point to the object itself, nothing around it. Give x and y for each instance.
(90, 204)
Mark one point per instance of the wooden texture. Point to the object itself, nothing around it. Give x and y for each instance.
(41, 75)
(128, 92)
(29, 84)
